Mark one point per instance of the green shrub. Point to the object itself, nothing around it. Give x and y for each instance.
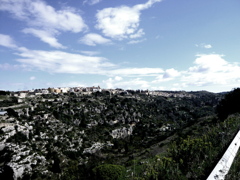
(109, 172)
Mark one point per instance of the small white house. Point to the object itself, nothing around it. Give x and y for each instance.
(22, 95)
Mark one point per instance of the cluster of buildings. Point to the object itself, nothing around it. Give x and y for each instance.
(90, 90)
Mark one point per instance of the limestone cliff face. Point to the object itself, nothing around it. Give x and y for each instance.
(21, 158)
(122, 132)
(94, 148)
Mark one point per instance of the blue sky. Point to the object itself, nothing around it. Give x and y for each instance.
(146, 44)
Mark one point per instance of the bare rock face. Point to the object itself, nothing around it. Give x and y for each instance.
(19, 157)
(10, 129)
(22, 161)
(94, 148)
(2, 146)
(18, 171)
(122, 132)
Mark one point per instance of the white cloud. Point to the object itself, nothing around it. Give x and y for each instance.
(32, 78)
(135, 83)
(93, 39)
(118, 78)
(208, 62)
(147, 5)
(136, 41)
(168, 75)
(203, 45)
(39, 15)
(119, 22)
(7, 41)
(138, 34)
(63, 62)
(122, 22)
(208, 46)
(73, 84)
(45, 37)
(112, 82)
(91, 2)
(211, 69)
(210, 72)
(90, 53)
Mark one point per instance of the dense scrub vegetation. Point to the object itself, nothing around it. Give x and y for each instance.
(234, 173)
(192, 156)
(8, 101)
(109, 172)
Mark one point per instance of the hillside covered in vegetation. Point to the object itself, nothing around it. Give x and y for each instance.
(128, 135)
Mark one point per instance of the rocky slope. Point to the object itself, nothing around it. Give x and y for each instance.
(51, 136)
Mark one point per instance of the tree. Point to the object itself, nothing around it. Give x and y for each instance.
(12, 112)
(83, 123)
(230, 104)
(4, 93)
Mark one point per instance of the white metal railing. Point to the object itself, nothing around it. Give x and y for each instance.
(224, 164)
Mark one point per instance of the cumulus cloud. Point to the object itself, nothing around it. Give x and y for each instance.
(41, 16)
(93, 39)
(112, 82)
(208, 63)
(118, 78)
(209, 72)
(168, 75)
(119, 22)
(45, 36)
(211, 69)
(122, 22)
(7, 41)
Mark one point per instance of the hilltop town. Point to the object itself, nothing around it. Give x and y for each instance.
(93, 89)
